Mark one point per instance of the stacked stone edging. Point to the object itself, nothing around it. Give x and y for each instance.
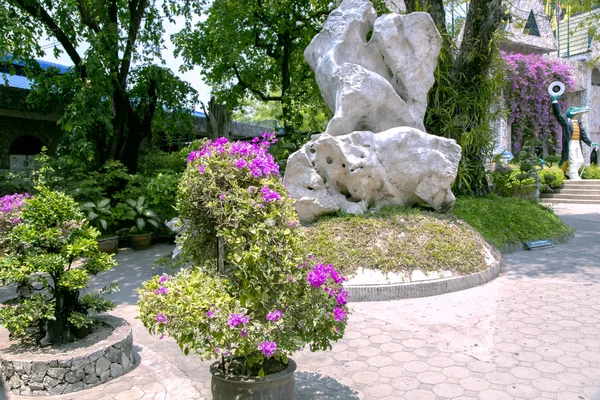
(409, 290)
(61, 373)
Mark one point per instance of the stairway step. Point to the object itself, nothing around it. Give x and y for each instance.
(569, 201)
(570, 196)
(583, 182)
(563, 190)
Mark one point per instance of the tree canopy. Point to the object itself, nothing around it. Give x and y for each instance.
(255, 48)
(117, 89)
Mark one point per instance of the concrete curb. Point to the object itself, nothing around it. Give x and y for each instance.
(409, 290)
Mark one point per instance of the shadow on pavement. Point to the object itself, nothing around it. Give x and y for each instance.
(310, 385)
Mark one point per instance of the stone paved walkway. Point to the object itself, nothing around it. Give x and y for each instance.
(533, 333)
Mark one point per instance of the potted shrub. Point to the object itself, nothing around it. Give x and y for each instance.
(251, 297)
(44, 247)
(97, 213)
(140, 237)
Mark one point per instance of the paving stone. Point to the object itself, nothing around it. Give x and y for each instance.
(448, 390)
(431, 377)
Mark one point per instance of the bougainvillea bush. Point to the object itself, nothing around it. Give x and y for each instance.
(54, 251)
(10, 216)
(268, 299)
(526, 93)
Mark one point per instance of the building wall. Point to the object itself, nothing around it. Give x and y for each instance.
(13, 127)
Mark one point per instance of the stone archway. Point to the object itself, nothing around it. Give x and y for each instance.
(596, 76)
(22, 149)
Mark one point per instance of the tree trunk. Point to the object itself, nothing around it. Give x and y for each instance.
(218, 122)
(58, 330)
(435, 8)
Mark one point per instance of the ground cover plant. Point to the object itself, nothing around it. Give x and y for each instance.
(396, 239)
(267, 298)
(508, 222)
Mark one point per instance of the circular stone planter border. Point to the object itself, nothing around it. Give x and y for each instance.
(61, 373)
(410, 290)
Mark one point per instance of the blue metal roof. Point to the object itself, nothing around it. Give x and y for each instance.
(42, 63)
(15, 81)
(199, 114)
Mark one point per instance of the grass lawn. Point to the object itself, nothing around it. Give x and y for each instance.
(506, 222)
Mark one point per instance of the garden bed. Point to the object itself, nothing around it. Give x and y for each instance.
(105, 354)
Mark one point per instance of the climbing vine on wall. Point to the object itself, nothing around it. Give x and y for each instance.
(527, 98)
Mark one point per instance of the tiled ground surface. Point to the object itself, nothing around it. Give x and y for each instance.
(533, 333)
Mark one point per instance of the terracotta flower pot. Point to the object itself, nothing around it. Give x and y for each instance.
(277, 386)
(109, 245)
(140, 242)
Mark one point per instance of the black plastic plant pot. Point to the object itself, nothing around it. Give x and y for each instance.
(277, 386)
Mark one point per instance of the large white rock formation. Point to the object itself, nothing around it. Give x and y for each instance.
(374, 75)
(352, 172)
(374, 83)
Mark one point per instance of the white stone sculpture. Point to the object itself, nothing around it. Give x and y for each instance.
(379, 83)
(374, 75)
(352, 172)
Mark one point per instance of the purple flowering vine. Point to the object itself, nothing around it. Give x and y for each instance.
(269, 195)
(527, 80)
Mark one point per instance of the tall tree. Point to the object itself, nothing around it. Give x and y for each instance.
(466, 87)
(256, 48)
(114, 91)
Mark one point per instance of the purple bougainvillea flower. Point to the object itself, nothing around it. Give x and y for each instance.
(221, 197)
(237, 319)
(244, 333)
(217, 350)
(274, 315)
(342, 297)
(163, 279)
(156, 292)
(161, 319)
(163, 290)
(317, 276)
(267, 348)
(210, 313)
(241, 163)
(293, 224)
(269, 195)
(339, 314)
(201, 168)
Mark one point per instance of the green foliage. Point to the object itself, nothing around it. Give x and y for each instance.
(506, 222)
(552, 177)
(232, 194)
(255, 49)
(591, 172)
(54, 250)
(97, 213)
(162, 194)
(396, 239)
(142, 215)
(115, 93)
(507, 179)
(460, 107)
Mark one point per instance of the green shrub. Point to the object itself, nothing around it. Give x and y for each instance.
(266, 300)
(140, 213)
(511, 181)
(552, 177)
(508, 222)
(161, 193)
(45, 247)
(591, 172)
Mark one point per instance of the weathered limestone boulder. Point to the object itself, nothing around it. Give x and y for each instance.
(352, 172)
(374, 83)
